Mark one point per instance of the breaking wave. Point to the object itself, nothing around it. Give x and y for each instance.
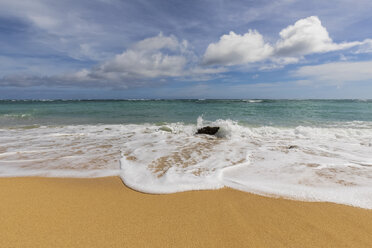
(305, 163)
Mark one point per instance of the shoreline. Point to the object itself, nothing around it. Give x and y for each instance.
(103, 212)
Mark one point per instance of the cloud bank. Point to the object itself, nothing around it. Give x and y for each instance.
(306, 36)
(161, 59)
(148, 62)
(235, 49)
(336, 73)
(158, 56)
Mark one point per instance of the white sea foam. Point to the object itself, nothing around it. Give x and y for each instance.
(16, 116)
(306, 163)
(253, 101)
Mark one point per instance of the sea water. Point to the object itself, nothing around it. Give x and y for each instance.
(311, 150)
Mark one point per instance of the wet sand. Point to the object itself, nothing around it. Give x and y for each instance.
(102, 212)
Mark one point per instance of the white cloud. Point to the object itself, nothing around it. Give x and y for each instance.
(336, 73)
(159, 42)
(306, 36)
(44, 21)
(158, 56)
(234, 49)
(366, 47)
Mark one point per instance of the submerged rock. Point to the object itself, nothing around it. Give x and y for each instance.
(208, 130)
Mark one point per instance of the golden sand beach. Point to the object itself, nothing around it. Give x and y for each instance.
(103, 212)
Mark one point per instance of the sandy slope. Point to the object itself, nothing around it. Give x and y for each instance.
(50, 212)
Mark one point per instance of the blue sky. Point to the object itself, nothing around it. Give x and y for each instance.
(85, 49)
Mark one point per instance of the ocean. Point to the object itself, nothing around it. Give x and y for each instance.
(310, 150)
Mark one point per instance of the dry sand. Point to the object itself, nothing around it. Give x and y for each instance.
(50, 212)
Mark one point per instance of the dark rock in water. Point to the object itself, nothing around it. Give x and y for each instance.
(208, 130)
(292, 147)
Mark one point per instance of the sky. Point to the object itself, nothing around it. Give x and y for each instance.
(115, 49)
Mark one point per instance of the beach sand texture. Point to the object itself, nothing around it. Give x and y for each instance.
(102, 212)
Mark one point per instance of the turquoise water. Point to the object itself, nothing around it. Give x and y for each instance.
(287, 113)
